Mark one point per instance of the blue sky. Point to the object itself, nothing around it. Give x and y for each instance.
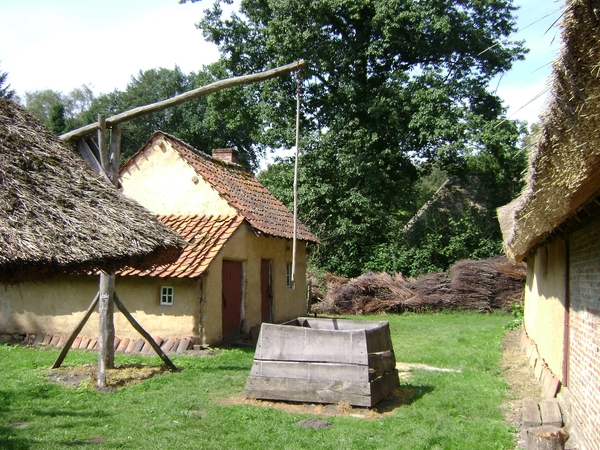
(62, 44)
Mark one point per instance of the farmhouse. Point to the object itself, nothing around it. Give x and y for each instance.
(555, 224)
(235, 273)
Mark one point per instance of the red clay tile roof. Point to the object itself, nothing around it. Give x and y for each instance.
(206, 235)
(242, 190)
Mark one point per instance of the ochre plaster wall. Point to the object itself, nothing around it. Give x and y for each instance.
(56, 306)
(247, 247)
(545, 297)
(165, 183)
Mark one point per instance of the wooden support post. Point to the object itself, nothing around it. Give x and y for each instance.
(106, 327)
(102, 144)
(145, 334)
(115, 154)
(74, 334)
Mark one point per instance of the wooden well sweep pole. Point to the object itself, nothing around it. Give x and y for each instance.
(196, 93)
(295, 234)
(106, 288)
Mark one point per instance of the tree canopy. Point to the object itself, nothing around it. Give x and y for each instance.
(393, 87)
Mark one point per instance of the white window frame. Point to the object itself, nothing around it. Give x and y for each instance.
(166, 295)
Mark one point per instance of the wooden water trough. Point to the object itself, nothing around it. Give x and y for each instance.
(324, 361)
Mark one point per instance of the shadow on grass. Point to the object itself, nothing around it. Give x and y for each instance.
(14, 425)
(406, 394)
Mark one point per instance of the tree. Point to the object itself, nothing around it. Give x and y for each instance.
(60, 112)
(391, 84)
(56, 121)
(5, 90)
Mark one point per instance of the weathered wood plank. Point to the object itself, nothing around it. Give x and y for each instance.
(550, 412)
(382, 362)
(531, 414)
(317, 323)
(379, 338)
(384, 386)
(357, 394)
(310, 371)
(290, 343)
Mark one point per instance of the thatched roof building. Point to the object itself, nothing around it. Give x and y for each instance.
(564, 167)
(58, 216)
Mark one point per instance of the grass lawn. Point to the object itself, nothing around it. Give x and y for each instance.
(445, 410)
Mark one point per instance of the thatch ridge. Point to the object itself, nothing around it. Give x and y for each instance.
(58, 216)
(565, 161)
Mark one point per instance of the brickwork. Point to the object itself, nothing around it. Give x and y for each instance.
(584, 360)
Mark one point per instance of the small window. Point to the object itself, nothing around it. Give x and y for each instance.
(166, 295)
(288, 275)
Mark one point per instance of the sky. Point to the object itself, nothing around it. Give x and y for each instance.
(63, 44)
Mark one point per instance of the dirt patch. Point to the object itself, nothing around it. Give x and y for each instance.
(404, 395)
(120, 376)
(521, 381)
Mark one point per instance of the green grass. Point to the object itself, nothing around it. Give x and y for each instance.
(181, 411)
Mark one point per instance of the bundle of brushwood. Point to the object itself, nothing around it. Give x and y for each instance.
(491, 284)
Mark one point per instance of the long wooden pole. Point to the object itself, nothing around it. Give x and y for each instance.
(106, 288)
(295, 232)
(196, 93)
(106, 327)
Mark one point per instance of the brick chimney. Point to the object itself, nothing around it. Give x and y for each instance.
(226, 154)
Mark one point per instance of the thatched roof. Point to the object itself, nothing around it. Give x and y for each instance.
(564, 167)
(58, 216)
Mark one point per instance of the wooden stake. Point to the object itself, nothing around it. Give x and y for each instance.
(106, 327)
(145, 334)
(74, 333)
(196, 93)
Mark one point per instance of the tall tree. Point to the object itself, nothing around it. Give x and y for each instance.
(390, 82)
(56, 121)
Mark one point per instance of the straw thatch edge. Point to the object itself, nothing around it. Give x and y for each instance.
(57, 216)
(565, 162)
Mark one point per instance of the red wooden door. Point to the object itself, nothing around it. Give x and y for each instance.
(266, 291)
(232, 298)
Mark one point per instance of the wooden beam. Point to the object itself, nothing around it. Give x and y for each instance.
(115, 154)
(145, 335)
(89, 156)
(186, 96)
(74, 333)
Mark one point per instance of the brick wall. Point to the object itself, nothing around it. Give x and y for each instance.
(584, 324)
